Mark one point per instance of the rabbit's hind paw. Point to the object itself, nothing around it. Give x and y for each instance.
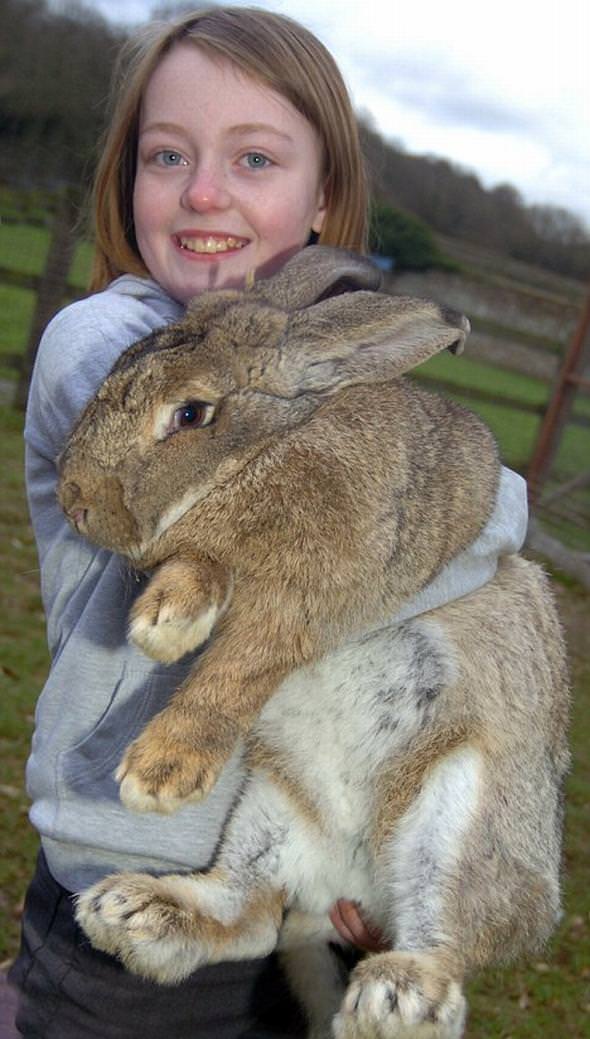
(178, 610)
(147, 922)
(401, 996)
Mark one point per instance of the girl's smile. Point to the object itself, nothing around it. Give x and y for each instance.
(229, 176)
(208, 243)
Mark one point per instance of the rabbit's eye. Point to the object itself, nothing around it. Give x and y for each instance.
(193, 415)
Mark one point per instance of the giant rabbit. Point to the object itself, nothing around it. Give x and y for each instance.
(292, 492)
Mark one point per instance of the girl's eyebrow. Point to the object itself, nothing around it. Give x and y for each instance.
(160, 127)
(246, 128)
(240, 130)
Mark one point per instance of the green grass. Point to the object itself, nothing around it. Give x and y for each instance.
(24, 664)
(81, 265)
(542, 1000)
(23, 249)
(466, 372)
(517, 335)
(16, 314)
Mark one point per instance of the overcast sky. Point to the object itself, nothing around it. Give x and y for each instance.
(500, 88)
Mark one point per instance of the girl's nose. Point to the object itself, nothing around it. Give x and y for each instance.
(206, 190)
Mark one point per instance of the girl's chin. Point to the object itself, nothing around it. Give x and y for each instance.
(228, 271)
(211, 279)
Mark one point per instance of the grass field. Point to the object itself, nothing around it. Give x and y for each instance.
(542, 1000)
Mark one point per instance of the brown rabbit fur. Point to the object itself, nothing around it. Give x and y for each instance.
(305, 501)
(293, 492)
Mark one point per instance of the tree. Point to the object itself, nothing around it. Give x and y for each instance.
(56, 70)
(403, 237)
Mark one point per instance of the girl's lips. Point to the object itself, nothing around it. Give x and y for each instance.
(208, 243)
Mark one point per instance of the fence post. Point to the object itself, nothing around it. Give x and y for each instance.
(52, 284)
(570, 378)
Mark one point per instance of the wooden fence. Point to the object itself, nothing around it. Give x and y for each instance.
(531, 328)
(52, 287)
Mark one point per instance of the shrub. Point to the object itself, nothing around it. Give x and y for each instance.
(404, 238)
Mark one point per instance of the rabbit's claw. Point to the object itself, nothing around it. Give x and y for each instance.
(401, 996)
(177, 611)
(161, 773)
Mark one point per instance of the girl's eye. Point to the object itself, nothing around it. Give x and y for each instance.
(195, 414)
(170, 158)
(256, 161)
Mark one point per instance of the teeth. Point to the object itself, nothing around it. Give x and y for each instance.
(211, 244)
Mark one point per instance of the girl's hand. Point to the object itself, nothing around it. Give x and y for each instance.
(351, 926)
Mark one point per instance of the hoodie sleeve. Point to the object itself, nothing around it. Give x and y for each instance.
(503, 534)
(77, 350)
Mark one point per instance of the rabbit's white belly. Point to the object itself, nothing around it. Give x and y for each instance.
(314, 864)
(338, 720)
(316, 869)
(334, 723)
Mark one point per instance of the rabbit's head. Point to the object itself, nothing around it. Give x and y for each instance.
(184, 410)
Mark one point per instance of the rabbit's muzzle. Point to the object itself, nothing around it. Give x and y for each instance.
(96, 509)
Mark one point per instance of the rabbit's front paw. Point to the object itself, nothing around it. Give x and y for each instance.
(397, 995)
(147, 922)
(162, 770)
(178, 609)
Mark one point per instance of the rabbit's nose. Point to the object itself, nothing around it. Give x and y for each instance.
(78, 518)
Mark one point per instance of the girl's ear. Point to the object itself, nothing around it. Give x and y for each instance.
(318, 221)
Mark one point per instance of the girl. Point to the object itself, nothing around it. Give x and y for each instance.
(233, 143)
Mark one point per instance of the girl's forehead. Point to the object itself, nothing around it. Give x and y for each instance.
(210, 95)
(188, 70)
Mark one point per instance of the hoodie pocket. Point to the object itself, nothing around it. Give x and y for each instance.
(137, 696)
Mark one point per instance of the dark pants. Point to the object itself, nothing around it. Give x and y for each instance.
(68, 990)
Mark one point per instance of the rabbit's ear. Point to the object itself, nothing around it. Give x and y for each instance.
(315, 273)
(361, 337)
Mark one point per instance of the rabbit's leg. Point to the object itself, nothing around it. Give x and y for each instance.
(181, 752)
(415, 991)
(165, 927)
(316, 976)
(177, 611)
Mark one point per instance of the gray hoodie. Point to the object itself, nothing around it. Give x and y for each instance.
(100, 691)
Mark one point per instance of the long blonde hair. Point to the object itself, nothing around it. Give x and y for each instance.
(274, 50)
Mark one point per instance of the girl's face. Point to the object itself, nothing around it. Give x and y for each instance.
(228, 177)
